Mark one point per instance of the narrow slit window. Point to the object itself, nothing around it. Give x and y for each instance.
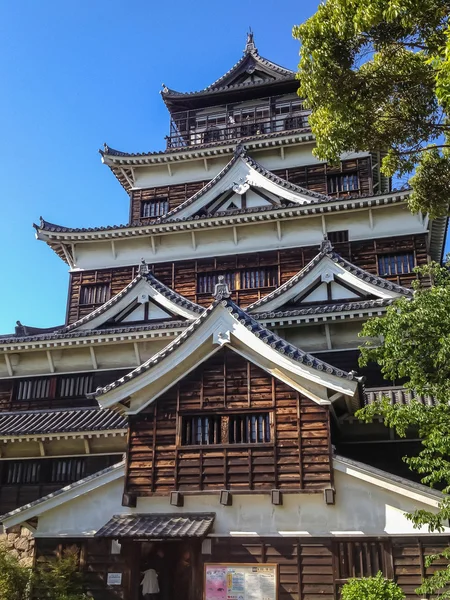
(241, 279)
(201, 430)
(337, 237)
(249, 429)
(395, 264)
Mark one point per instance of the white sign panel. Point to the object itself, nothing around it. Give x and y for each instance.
(114, 579)
(241, 582)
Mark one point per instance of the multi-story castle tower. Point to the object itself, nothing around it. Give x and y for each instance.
(213, 341)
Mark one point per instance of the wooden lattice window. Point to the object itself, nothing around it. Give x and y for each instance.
(337, 237)
(342, 183)
(242, 279)
(95, 293)
(395, 264)
(253, 428)
(157, 207)
(249, 429)
(74, 386)
(21, 472)
(67, 470)
(200, 430)
(360, 559)
(33, 389)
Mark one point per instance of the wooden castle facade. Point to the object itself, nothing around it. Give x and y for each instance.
(200, 397)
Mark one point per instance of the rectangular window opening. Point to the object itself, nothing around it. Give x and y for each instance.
(157, 207)
(342, 183)
(95, 293)
(337, 237)
(396, 264)
(241, 279)
(201, 430)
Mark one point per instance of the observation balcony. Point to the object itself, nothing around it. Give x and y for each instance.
(233, 122)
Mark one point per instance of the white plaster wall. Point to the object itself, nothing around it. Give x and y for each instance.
(391, 220)
(361, 509)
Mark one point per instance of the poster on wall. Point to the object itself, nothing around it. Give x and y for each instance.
(240, 582)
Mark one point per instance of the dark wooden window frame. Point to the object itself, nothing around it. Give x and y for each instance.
(396, 263)
(154, 207)
(338, 237)
(99, 292)
(251, 278)
(343, 182)
(259, 421)
(56, 387)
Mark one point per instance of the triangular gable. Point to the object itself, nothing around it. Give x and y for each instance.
(250, 69)
(224, 323)
(328, 279)
(145, 299)
(243, 178)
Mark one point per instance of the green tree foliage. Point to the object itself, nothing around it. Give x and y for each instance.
(59, 578)
(412, 341)
(14, 579)
(376, 74)
(55, 579)
(371, 588)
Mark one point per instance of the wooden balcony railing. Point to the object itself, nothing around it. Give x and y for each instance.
(229, 130)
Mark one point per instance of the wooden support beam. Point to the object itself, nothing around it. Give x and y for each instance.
(205, 162)
(93, 357)
(137, 353)
(9, 365)
(51, 364)
(74, 256)
(235, 236)
(194, 240)
(370, 218)
(279, 230)
(113, 249)
(129, 180)
(328, 336)
(282, 152)
(41, 448)
(67, 255)
(324, 225)
(153, 244)
(87, 446)
(169, 169)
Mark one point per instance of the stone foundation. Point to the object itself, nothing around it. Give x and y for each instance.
(19, 542)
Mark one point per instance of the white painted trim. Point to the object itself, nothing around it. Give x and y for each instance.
(387, 481)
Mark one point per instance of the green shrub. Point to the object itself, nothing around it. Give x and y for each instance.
(14, 578)
(372, 588)
(59, 578)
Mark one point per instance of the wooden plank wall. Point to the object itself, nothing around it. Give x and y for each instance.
(308, 570)
(182, 275)
(312, 177)
(297, 458)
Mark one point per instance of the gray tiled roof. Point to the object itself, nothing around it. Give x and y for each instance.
(325, 309)
(396, 395)
(265, 335)
(161, 526)
(326, 250)
(67, 488)
(44, 422)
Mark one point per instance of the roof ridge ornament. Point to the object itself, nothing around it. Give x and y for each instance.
(325, 245)
(240, 150)
(250, 45)
(221, 289)
(143, 268)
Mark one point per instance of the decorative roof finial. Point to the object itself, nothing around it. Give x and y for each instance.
(143, 267)
(221, 289)
(326, 245)
(250, 45)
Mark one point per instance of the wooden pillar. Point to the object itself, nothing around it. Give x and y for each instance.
(132, 553)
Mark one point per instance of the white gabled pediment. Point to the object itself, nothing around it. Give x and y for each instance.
(243, 183)
(329, 279)
(144, 299)
(225, 323)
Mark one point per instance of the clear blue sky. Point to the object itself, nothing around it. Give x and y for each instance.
(77, 74)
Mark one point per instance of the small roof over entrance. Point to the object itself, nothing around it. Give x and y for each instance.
(160, 526)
